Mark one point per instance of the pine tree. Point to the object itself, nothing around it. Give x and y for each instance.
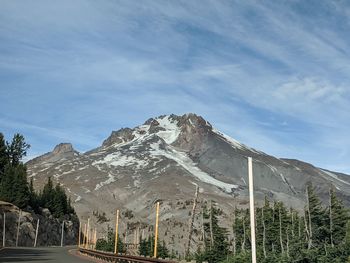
(338, 219)
(3, 155)
(217, 246)
(317, 225)
(47, 194)
(14, 185)
(107, 244)
(17, 149)
(33, 197)
(163, 251)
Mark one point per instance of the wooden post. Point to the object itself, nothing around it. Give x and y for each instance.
(79, 235)
(19, 223)
(156, 232)
(4, 231)
(116, 233)
(251, 208)
(36, 232)
(62, 232)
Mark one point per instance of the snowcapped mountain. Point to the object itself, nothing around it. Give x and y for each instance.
(164, 159)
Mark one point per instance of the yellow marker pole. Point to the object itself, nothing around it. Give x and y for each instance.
(95, 238)
(156, 232)
(79, 235)
(116, 233)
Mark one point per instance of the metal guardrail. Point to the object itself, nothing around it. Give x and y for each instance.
(110, 257)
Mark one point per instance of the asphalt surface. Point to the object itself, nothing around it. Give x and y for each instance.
(34, 255)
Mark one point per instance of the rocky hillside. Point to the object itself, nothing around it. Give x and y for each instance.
(49, 233)
(164, 159)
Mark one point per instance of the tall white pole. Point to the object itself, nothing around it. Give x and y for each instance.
(79, 235)
(19, 223)
(251, 208)
(4, 231)
(36, 232)
(62, 232)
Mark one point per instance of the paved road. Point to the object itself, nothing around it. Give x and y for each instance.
(42, 255)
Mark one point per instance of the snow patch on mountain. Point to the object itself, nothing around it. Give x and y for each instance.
(183, 160)
(236, 144)
(231, 141)
(335, 177)
(172, 130)
(110, 180)
(119, 159)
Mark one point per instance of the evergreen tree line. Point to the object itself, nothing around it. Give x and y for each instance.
(318, 234)
(14, 187)
(107, 244)
(146, 246)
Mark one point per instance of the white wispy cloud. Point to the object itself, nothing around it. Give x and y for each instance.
(274, 75)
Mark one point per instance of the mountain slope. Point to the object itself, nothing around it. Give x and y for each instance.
(162, 160)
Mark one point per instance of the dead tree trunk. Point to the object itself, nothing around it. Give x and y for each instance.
(281, 239)
(330, 219)
(291, 210)
(307, 229)
(309, 217)
(243, 241)
(203, 231)
(264, 231)
(211, 225)
(287, 242)
(191, 221)
(234, 232)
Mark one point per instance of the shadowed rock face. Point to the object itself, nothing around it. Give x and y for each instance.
(49, 231)
(163, 159)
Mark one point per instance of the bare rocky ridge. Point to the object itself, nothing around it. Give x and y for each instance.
(60, 152)
(164, 159)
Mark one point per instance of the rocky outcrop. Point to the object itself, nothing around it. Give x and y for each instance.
(120, 136)
(49, 231)
(61, 151)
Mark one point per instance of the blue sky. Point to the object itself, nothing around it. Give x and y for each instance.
(274, 75)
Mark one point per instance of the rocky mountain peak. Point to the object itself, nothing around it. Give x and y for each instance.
(63, 148)
(120, 136)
